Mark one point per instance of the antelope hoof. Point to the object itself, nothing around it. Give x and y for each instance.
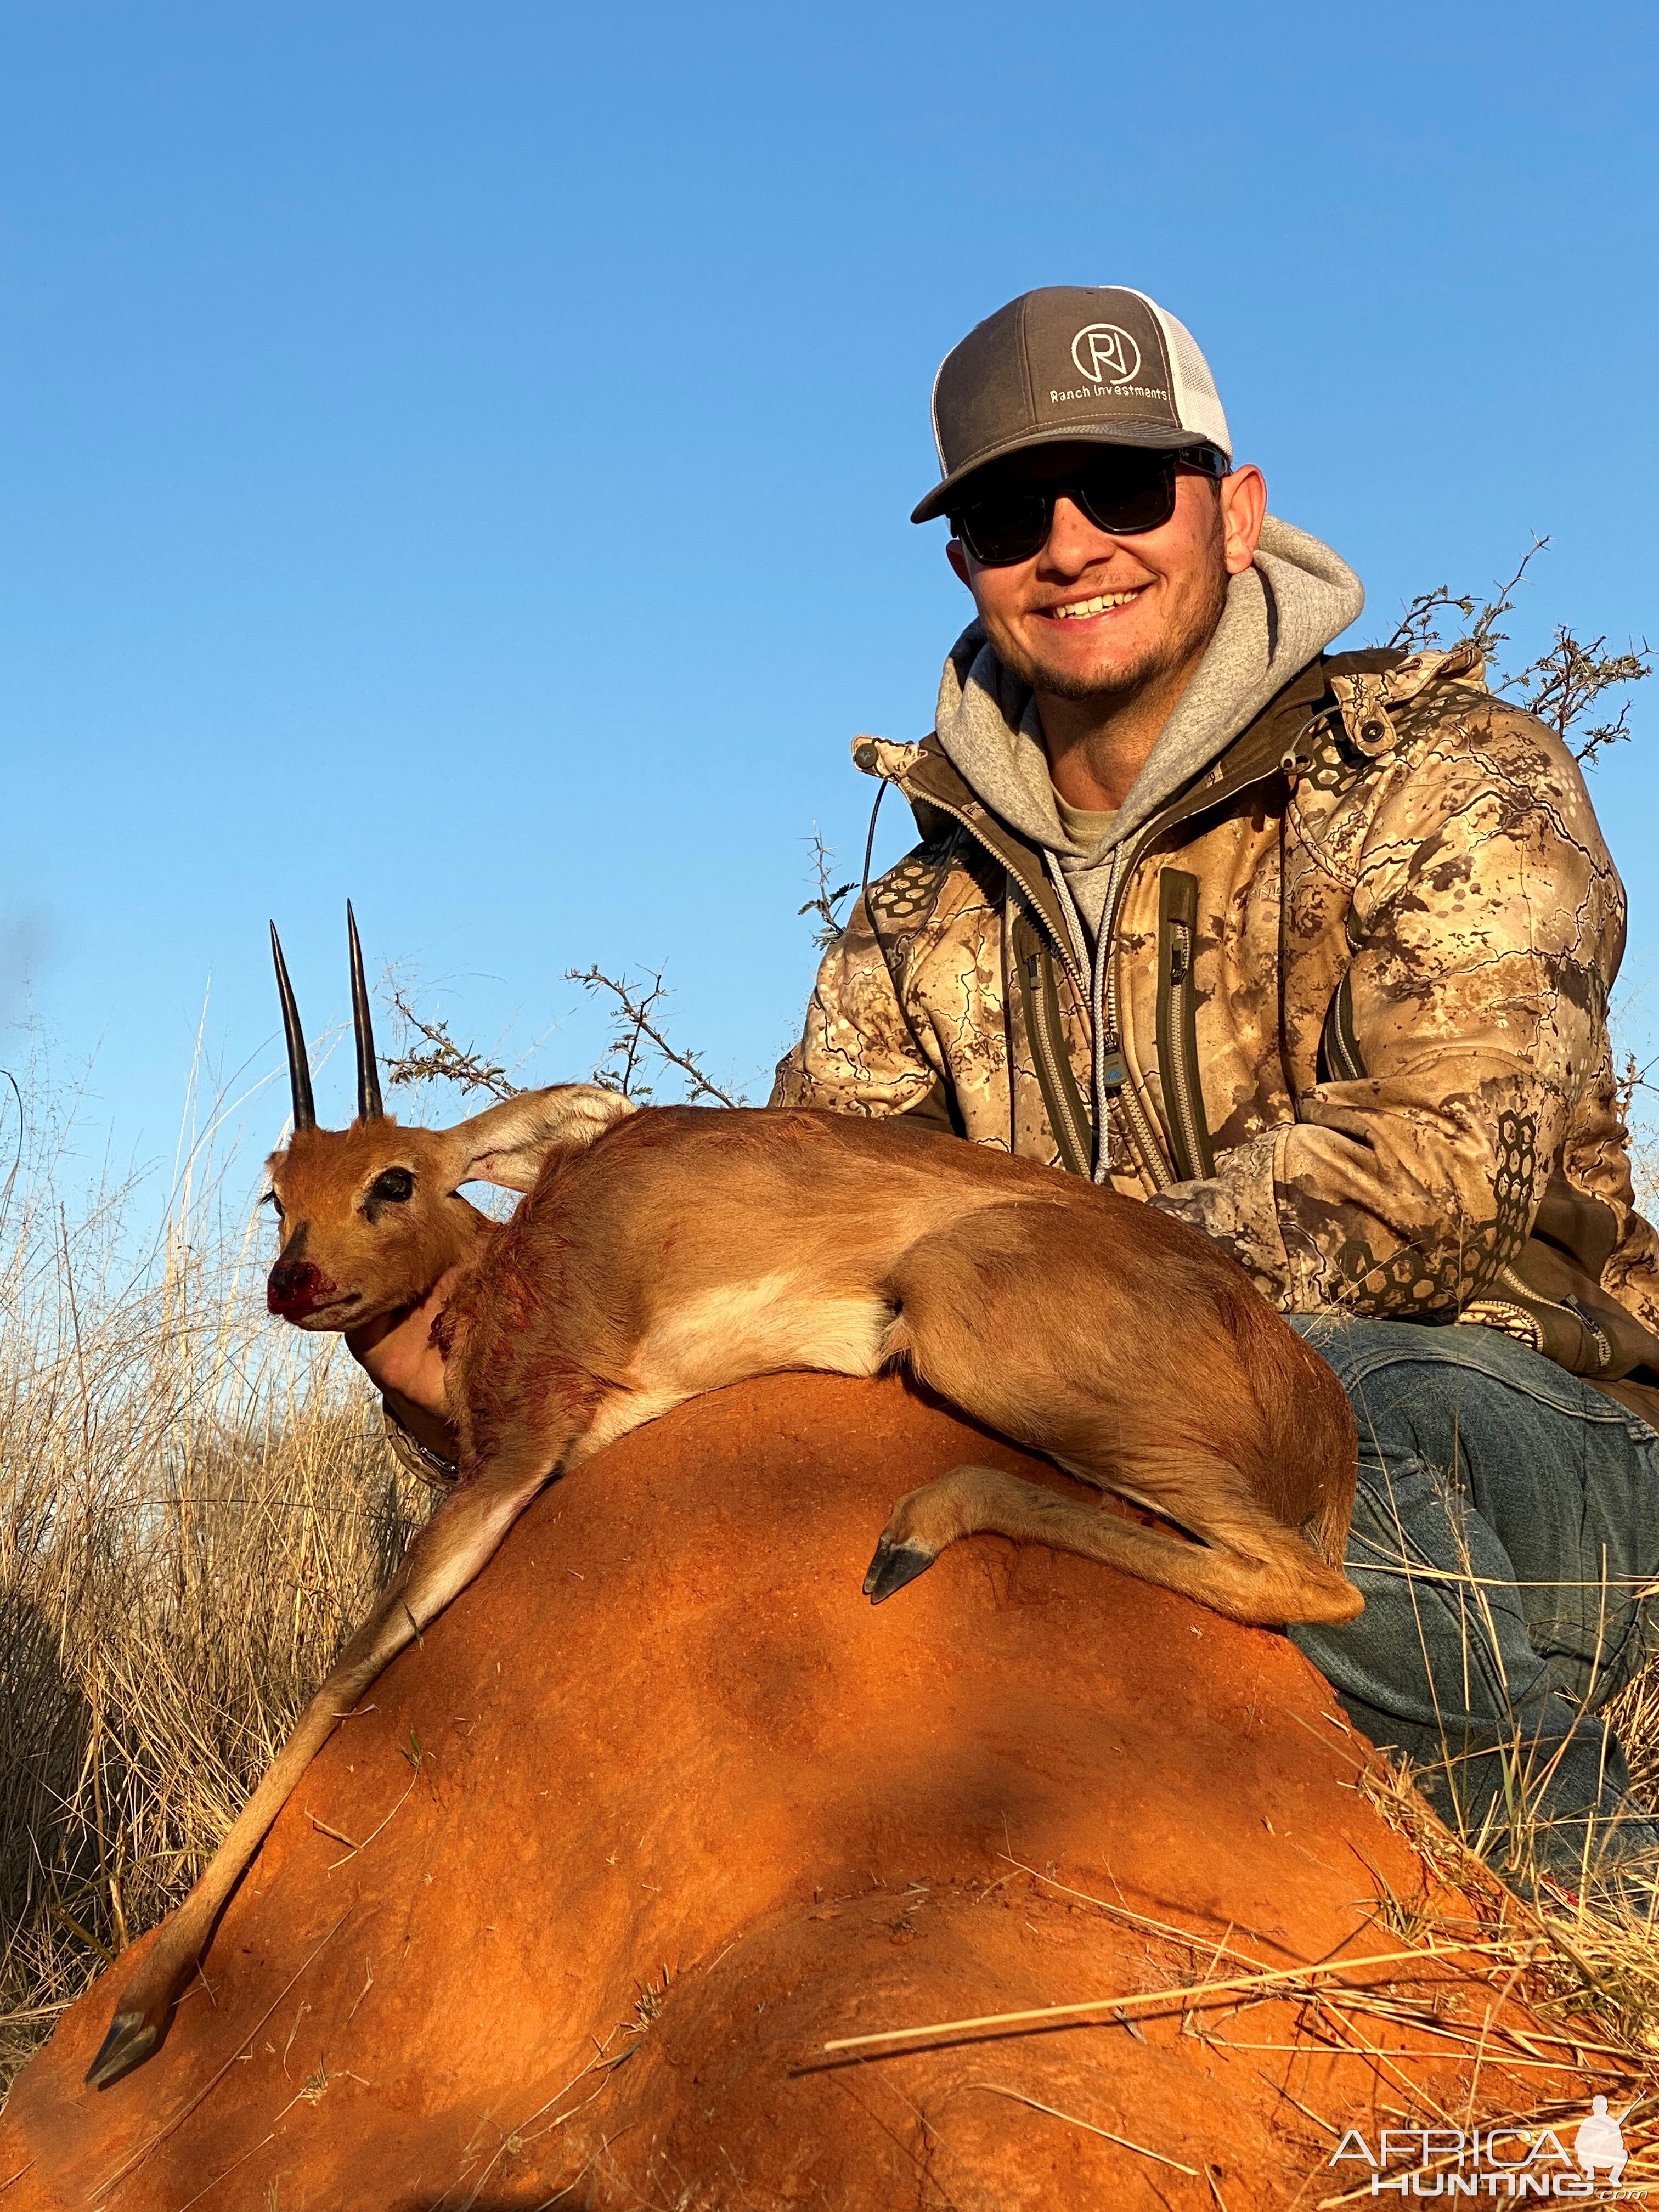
(130, 2040)
(893, 1566)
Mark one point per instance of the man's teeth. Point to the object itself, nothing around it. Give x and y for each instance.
(1080, 608)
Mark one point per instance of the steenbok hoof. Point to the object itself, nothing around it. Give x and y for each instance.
(129, 2043)
(893, 1566)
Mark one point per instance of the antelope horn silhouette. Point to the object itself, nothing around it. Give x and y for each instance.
(369, 1106)
(299, 1068)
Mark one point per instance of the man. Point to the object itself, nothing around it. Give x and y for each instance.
(1315, 952)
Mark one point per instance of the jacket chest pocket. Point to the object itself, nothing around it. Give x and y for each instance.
(1063, 1102)
(1177, 1031)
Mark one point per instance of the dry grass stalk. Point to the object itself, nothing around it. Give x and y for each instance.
(1282, 1980)
(1018, 2096)
(194, 1508)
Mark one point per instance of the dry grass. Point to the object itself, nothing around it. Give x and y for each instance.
(194, 1507)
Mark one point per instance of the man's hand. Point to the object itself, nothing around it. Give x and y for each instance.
(398, 1354)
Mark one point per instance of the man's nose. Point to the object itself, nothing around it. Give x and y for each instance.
(293, 1285)
(1074, 541)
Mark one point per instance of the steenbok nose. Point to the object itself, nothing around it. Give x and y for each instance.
(293, 1286)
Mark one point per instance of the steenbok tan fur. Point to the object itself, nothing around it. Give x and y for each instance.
(662, 1253)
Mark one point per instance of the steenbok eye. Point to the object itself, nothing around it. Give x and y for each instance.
(392, 1188)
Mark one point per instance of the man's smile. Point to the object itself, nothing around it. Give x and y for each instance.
(1102, 602)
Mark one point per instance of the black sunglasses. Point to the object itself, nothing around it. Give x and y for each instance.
(1123, 492)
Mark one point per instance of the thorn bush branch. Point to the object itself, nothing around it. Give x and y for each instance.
(824, 902)
(1561, 686)
(638, 1018)
(438, 1058)
(1635, 1076)
(1419, 627)
(1486, 632)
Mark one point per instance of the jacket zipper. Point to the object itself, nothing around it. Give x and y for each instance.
(1510, 1279)
(1342, 1053)
(1067, 958)
(1112, 1084)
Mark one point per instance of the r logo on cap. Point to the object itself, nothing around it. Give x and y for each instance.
(1105, 353)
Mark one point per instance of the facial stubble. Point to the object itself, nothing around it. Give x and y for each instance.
(1180, 647)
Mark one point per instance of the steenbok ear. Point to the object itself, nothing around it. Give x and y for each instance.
(509, 1143)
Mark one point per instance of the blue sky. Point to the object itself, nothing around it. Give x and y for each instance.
(460, 456)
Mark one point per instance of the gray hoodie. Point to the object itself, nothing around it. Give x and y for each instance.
(1280, 614)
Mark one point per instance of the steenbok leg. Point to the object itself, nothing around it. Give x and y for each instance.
(1030, 1318)
(443, 1559)
(1281, 1582)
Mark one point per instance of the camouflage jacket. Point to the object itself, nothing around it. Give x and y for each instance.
(1355, 987)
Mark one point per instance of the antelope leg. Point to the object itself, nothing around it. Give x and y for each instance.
(1253, 1571)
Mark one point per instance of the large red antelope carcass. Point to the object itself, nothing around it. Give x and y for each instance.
(661, 1253)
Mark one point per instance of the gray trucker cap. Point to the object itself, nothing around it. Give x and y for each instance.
(1067, 363)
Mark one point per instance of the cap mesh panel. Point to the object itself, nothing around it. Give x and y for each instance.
(1198, 403)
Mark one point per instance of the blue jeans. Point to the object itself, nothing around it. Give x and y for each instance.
(1507, 1515)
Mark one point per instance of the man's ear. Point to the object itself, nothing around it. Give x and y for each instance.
(510, 1144)
(956, 554)
(1243, 511)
